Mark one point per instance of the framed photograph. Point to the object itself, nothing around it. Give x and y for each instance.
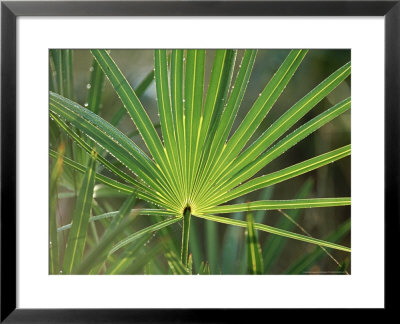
(183, 156)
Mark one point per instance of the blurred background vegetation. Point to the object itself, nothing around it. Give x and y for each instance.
(223, 246)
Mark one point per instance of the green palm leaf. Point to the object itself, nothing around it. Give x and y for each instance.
(80, 220)
(144, 231)
(289, 118)
(54, 180)
(275, 244)
(305, 263)
(176, 266)
(137, 112)
(254, 254)
(276, 231)
(248, 169)
(110, 138)
(188, 167)
(194, 85)
(148, 212)
(95, 86)
(166, 121)
(282, 175)
(123, 219)
(139, 90)
(280, 204)
(257, 113)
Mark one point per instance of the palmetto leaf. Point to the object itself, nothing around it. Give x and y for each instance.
(125, 259)
(95, 86)
(204, 269)
(144, 231)
(275, 244)
(282, 175)
(280, 126)
(216, 99)
(254, 254)
(193, 167)
(54, 179)
(175, 264)
(64, 75)
(138, 115)
(139, 90)
(112, 214)
(248, 169)
(107, 136)
(274, 230)
(257, 113)
(280, 204)
(166, 121)
(100, 178)
(121, 220)
(80, 220)
(145, 193)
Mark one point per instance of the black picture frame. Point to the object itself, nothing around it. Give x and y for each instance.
(10, 10)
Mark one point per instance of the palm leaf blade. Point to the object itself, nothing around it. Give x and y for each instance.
(275, 244)
(302, 265)
(95, 86)
(130, 101)
(248, 169)
(144, 231)
(254, 253)
(80, 220)
(280, 204)
(54, 179)
(257, 113)
(117, 226)
(284, 174)
(276, 231)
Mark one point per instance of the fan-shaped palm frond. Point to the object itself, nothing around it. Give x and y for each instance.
(196, 168)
